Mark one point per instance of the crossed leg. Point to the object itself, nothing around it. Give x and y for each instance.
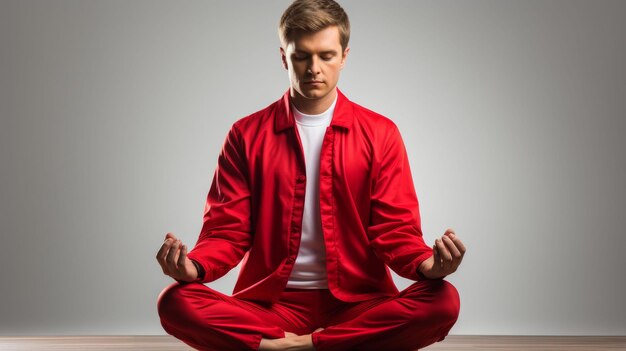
(418, 316)
(208, 320)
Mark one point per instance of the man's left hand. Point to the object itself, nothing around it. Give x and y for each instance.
(447, 255)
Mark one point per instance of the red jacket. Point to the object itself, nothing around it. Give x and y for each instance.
(369, 210)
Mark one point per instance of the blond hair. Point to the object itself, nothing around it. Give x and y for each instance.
(311, 16)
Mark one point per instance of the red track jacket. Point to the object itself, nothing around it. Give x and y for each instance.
(369, 209)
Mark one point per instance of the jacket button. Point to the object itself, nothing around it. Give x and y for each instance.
(300, 178)
(295, 229)
(291, 260)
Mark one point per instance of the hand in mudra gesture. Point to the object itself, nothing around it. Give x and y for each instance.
(174, 261)
(447, 255)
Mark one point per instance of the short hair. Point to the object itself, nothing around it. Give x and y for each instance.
(311, 16)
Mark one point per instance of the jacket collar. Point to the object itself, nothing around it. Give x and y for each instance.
(342, 115)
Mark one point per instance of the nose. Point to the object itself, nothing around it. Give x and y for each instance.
(314, 67)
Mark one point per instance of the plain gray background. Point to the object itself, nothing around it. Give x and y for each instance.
(113, 114)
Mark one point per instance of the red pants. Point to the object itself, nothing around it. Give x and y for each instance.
(206, 319)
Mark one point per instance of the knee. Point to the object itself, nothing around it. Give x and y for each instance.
(442, 301)
(447, 302)
(172, 300)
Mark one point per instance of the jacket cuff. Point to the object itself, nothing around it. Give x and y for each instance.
(200, 276)
(420, 259)
(199, 268)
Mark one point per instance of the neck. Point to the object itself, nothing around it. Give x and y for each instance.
(313, 106)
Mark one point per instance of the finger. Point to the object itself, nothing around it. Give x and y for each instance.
(449, 231)
(459, 244)
(451, 245)
(172, 255)
(182, 258)
(435, 254)
(437, 257)
(457, 256)
(170, 236)
(162, 251)
(162, 255)
(446, 257)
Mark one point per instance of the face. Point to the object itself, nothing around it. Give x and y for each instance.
(314, 61)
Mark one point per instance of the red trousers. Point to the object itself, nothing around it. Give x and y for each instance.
(206, 319)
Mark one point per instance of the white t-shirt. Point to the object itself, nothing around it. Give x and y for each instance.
(309, 271)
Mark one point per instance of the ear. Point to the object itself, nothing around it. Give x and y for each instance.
(283, 57)
(344, 56)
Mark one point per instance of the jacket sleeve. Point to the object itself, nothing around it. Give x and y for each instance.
(226, 231)
(395, 226)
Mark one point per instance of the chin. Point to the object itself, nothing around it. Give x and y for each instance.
(314, 93)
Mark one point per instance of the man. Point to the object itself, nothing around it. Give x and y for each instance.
(315, 194)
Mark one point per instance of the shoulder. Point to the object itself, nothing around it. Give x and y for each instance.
(379, 129)
(257, 117)
(370, 117)
(254, 123)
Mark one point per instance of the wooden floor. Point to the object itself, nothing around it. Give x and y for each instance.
(451, 343)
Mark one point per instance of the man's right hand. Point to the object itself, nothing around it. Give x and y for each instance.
(174, 261)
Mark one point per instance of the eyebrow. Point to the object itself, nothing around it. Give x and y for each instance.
(332, 52)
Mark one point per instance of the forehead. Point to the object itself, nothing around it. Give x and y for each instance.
(324, 40)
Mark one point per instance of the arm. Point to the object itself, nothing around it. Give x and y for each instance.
(226, 231)
(395, 227)
(225, 235)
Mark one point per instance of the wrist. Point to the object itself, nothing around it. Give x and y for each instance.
(199, 269)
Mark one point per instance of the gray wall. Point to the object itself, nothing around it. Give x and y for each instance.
(113, 114)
